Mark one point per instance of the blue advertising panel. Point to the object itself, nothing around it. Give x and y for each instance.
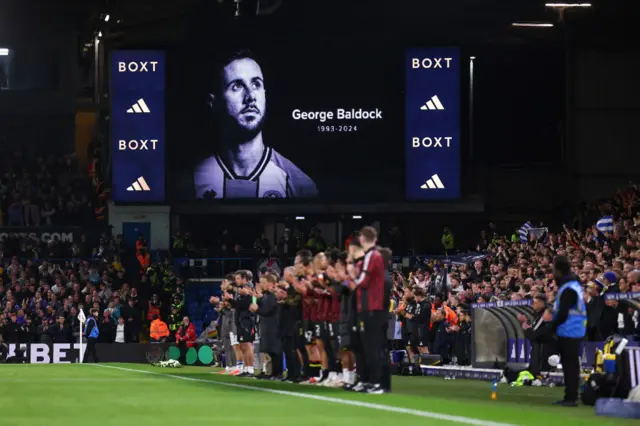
(138, 126)
(432, 124)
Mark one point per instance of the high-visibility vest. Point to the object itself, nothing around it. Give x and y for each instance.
(153, 310)
(449, 315)
(158, 330)
(145, 260)
(576, 324)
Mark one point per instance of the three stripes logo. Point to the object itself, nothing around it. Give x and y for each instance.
(139, 185)
(140, 107)
(433, 104)
(433, 183)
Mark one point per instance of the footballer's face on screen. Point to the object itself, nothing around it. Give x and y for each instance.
(243, 94)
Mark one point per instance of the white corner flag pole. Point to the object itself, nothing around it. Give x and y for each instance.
(82, 318)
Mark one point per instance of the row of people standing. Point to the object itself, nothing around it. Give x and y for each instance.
(327, 315)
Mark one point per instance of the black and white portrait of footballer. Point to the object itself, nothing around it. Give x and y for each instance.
(244, 165)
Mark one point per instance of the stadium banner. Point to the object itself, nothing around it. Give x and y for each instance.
(130, 353)
(622, 296)
(61, 234)
(432, 124)
(138, 126)
(502, 304)
(455, 259)
(42, 353)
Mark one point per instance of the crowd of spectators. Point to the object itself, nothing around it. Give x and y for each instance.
(40, 298)
(43, 190)
(519, 267)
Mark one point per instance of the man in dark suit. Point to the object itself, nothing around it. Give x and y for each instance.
(268, 309)
(543, 345)
(60, 331)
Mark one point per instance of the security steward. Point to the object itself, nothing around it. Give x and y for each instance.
(92, 332)
(570, 325)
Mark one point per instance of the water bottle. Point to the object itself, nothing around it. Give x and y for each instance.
(494, 391)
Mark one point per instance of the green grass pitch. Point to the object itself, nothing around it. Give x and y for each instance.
(128, 394)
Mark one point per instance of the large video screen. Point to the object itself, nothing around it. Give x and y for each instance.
(138, 126)
(286, 120)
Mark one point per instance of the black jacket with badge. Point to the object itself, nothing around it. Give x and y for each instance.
(269, 312)
(543, 344)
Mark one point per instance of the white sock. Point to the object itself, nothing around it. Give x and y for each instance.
(345, 375)
(352, 377)
(251, 370)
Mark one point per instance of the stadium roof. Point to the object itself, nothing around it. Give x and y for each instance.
(457, 21)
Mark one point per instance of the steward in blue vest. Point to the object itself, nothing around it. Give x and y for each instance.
(91, 329)
(570, 312)
(570, 325)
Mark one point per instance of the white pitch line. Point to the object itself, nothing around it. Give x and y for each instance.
(380, 407)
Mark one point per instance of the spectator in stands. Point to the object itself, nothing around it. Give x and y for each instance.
(132, 317)
(287, 246)
(442, 336)
(154, 308)
(121, 335)
(60, 332)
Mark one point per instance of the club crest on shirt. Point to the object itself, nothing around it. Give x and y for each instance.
(272, 194)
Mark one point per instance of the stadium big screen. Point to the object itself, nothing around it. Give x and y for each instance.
(288, 119)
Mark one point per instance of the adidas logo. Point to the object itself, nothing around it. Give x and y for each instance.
(139, 185)
(433, 104)
(139, 107)
(433, 183)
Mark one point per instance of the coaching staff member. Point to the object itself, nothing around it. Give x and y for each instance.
(372, 310)
(244, 167)
(570, 325)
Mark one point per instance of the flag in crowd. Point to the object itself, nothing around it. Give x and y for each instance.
(605, 224)
(524, 232)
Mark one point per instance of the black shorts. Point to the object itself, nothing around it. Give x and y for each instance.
(246, 334)
(300, 339)
(319, 330)
(423, 336)
(309, 331)
(349, 337)
(333, 331)
(413, 336)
